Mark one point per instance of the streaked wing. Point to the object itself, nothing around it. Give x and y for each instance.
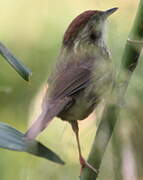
(71, 80)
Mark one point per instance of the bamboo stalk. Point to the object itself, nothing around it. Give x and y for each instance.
(111, 112)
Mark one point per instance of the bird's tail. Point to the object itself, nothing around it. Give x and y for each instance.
(48, 113)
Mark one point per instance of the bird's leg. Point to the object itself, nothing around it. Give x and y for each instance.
(83, 162)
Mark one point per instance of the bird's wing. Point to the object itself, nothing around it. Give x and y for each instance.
(70, 81)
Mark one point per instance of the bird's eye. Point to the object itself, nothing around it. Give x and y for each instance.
(94, 36)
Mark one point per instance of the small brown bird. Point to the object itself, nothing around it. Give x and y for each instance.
(81, 77)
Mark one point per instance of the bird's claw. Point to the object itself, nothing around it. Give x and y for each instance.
(84, 164)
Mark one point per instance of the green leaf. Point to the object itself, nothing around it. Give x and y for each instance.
(11, 138)
(22, 70)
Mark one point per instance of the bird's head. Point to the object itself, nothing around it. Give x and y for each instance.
(87, 28)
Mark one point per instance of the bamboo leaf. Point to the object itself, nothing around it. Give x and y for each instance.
(12, 139)
(22, 70)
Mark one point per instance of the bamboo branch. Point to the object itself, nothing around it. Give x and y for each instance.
(111, 112)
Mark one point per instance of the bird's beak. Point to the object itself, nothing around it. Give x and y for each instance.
(109, 12)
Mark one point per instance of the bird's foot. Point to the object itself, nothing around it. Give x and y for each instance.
(84, 164)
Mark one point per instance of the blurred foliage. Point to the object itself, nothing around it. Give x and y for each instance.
(33, 31)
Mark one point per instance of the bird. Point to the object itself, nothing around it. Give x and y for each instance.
(81, 77)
